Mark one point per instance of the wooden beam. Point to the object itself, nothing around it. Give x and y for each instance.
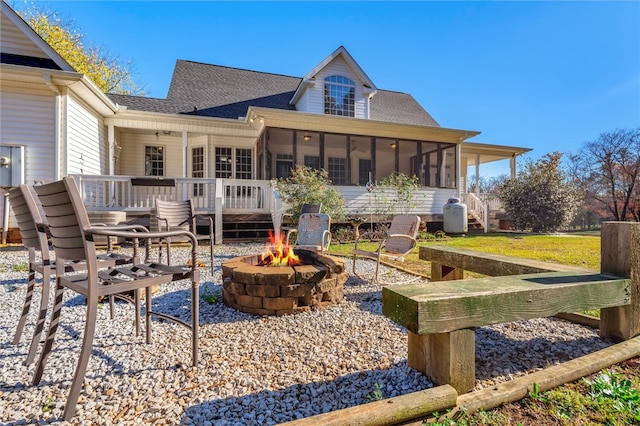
(387, 411)
(620, 256)
(445, 358)
(494, 265)
(445, 306)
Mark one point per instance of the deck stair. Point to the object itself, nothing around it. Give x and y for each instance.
(246, 227)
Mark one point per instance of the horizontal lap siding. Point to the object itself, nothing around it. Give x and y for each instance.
(86, 146)
(315, 100)
(14, 41)
(428, 201)
(27, 116)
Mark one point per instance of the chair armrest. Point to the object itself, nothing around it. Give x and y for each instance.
(326, 236)
(203, 217)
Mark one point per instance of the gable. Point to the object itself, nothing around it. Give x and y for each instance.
(340, 63)
(20, 45)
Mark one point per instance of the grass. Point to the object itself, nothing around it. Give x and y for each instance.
(576, 250)
(610, 397)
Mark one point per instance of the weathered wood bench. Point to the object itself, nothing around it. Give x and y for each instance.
(441, 316)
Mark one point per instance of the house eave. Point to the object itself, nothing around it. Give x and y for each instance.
(357, 126)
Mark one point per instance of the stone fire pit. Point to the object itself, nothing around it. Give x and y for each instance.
(280, 290)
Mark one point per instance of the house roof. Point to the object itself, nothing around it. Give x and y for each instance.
(218, 91)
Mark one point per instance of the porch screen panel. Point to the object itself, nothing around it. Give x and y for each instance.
(338, 170)
(448, 167)
(312, 161)
(224, 168)
(284, 164)
(243, 163)
(364, 168)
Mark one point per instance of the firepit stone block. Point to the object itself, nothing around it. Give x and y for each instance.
(274, 290)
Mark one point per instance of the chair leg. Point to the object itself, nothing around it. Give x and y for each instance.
(211, 252)
(42, 315)
(375, 277)
(51, 334)
(112, 307)
(195, 320)
(26, 306)
(136, 302)
(85, 354)
(147, 314)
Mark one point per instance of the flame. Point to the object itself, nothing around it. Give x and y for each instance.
(278, 253)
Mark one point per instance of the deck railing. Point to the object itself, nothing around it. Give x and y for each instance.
(477, 208)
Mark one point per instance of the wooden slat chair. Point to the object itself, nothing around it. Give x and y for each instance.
(33, 231)
(180, 215)
(72, 239)
(313, 232)
(396, 243)
(306, 208)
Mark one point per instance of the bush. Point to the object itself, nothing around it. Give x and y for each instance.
(400, 193)
(540, 198)
(310, 186)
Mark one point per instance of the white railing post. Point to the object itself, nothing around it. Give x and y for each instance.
(218, 206)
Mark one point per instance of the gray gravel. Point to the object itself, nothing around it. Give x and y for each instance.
(253, 370)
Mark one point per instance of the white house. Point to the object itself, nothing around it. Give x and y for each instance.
(221, 134)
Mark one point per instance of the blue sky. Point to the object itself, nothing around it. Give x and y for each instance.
(544, 75)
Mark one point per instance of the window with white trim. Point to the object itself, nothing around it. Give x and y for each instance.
(197, 169)
(154, 161)
(339, 96)
(337, 170)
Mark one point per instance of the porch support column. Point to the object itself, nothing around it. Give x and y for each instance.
(349, 182)
(321, 149)
(459, 171)
(373, 159)
(396, 152)
(477, 186)
(294, 144)
(512, 163)
(185, 153)
(265, 158)
(112, 149)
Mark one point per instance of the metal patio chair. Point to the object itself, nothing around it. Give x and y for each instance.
(306, 208)
(180, 215)
(72, 238)
(33, 231)
(394, 244)
(313, 232)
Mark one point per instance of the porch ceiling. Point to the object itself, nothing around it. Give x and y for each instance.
(488, 153)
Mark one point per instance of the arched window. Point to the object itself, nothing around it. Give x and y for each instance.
(339, 96)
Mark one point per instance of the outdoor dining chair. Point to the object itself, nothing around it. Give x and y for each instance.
(313, 232)
(33, 232)
(72, 238)
(306, 208)
(394, 244)
(177, 215)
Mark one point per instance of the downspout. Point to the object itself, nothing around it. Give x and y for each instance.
(57, 123)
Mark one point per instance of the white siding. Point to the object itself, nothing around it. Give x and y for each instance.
(86, 140)
(313, 98)
(27, 119)
(14, 41)
(429, 201)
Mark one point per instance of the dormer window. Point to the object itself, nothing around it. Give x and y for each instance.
(339, 96)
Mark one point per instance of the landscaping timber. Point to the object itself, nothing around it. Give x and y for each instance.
(440, 316)
(449, 263)
(386, 412)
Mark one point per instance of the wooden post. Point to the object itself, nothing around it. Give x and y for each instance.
(445, 358)
(620, 253)
(440, 272)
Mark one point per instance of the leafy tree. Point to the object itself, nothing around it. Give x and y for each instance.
(540, 198)
(311, 186)
(107, 72)
(397, 191)
(608, 172)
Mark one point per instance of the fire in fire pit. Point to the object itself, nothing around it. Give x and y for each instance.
(253, 285)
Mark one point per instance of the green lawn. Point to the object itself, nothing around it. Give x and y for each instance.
(569, 249)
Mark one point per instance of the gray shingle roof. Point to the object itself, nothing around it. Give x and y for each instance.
(218, 91)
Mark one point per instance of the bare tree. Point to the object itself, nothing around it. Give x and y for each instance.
(608, 171)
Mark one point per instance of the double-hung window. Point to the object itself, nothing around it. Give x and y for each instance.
(154, 161)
